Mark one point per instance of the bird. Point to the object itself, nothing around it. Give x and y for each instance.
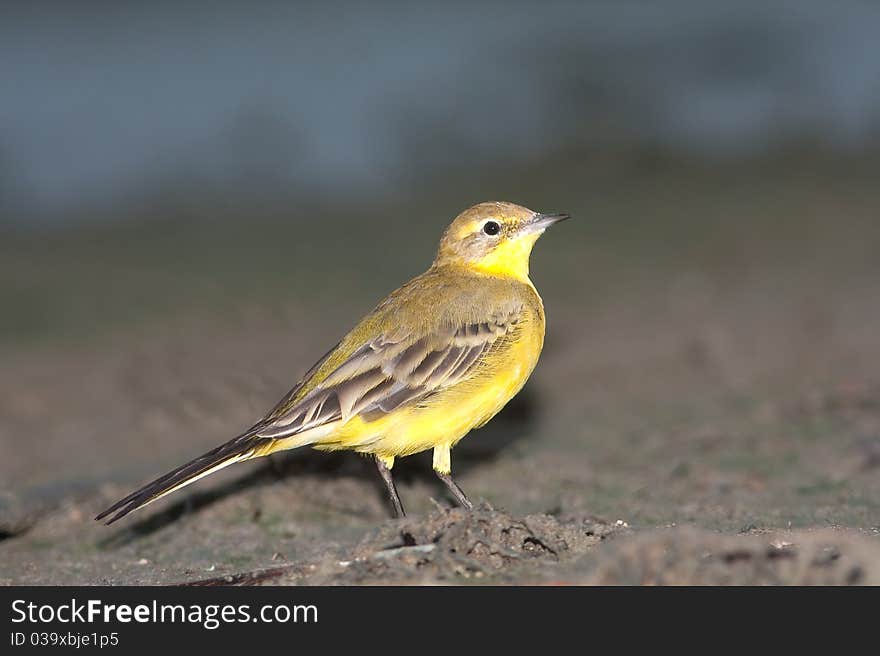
(435, 359)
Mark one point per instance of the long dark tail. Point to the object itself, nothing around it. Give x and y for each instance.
(243, 447)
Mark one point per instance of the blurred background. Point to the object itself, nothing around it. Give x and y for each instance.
(111, 106)
(250, 118)
(197, 199)
(246, 119)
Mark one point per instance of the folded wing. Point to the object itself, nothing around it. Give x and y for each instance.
(391, 371)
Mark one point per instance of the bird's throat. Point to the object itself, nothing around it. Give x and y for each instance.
(510, 259)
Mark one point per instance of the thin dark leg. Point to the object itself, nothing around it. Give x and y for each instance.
(392, 490)
(457, 492)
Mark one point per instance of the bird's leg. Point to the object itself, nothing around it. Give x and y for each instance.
(457, 492)
(385, 465)
(443, 469)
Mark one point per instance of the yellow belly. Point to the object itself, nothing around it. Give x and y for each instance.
(449, 415)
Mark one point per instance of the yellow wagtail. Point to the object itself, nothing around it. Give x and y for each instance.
(435, 359)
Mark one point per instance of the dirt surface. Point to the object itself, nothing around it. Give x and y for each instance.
(706, 411)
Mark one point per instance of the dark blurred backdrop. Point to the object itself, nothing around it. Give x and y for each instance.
(165, 158)
(123, 103)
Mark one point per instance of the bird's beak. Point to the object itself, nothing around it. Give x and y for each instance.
(540, 222)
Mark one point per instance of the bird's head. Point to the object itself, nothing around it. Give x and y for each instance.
(494, 238)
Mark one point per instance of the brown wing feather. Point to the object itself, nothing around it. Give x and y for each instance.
(392, 371)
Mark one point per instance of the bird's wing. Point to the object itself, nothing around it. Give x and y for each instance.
(390, 371)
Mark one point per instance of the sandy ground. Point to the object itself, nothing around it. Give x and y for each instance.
(707, 409)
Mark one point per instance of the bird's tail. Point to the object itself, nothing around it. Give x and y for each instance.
(243, 447)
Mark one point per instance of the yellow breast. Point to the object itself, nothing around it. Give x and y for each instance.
(446, 417)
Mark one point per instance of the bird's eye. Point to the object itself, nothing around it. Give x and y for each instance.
(491, 228)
